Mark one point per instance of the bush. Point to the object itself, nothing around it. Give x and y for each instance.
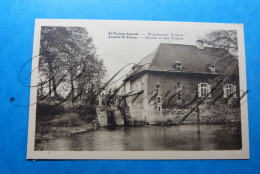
(45, 112)
(86, 112)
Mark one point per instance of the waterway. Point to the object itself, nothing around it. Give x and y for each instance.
(152, 138)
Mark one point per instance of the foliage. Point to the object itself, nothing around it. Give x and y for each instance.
(46, 112)
(68, 64)
(226, 39)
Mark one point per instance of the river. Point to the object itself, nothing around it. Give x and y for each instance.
(152, 138)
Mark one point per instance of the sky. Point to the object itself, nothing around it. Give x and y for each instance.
(118, 52)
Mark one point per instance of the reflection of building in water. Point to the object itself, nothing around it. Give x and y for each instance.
(174, 75)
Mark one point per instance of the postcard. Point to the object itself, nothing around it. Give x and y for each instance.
(107, 89)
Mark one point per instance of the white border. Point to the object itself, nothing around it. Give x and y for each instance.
(225, 154)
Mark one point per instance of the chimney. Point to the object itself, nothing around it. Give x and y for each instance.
(199, 44)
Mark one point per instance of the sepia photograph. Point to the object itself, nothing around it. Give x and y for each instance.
(137, 90)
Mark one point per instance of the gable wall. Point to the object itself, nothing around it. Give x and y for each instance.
(137, 108)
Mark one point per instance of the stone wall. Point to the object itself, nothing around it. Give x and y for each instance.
(118, 116)
(102, 114)
(207, 114)
(175, 109)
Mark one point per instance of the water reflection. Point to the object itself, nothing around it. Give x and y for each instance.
(152, 138)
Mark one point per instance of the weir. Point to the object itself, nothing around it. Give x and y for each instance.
(110, 116)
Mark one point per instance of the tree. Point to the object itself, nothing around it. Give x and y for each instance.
(226, 48)
(226, 39)
(68, 59)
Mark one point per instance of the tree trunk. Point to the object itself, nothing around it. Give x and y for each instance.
(51, 72)
(50, 87)
(72, 85)
(42, 94)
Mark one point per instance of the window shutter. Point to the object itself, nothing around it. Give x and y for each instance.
(209, 90)
(234, 91)
(199, 90)
(225, 91)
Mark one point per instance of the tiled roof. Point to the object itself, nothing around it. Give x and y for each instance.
(192, 59)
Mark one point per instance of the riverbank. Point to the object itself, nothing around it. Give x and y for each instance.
(56, 121)
(48, 133)
(64, 125)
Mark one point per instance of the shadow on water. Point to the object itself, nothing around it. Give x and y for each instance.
(111, 127)
(111, 121)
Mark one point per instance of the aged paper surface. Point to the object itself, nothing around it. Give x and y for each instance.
(137, 90)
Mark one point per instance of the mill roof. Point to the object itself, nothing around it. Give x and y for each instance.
(192, 59)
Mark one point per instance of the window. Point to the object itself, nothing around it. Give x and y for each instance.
(159, 99)
(178, 66)
(229, 90)
(158, 90)
(204, 90)
(179, 95)
(211, 68)
(178, 85)
(159, 109)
